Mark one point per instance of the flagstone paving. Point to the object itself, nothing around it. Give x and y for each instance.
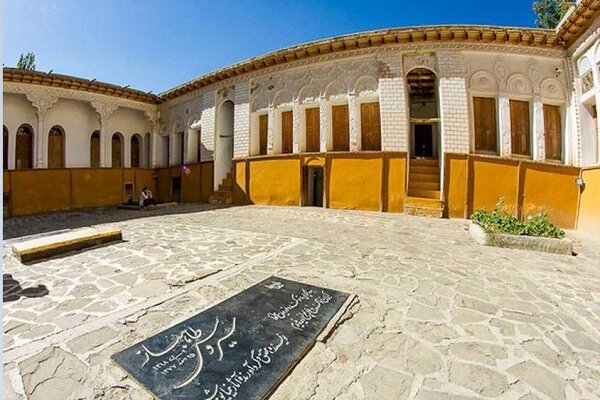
(437, 317)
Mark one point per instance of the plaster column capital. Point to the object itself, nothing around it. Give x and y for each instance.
(104, 109)
(42, 102)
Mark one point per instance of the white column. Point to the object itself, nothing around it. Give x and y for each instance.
(324, 124)
(241, 120)
(191, 144)
(271, 130)
(504, 124)
(354, 115)
(38, 151)
(299, 142)
(105, 154)
(392, 100)
(538, 145)
(154, 161)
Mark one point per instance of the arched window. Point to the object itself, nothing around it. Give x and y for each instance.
(24, 148)
(95, 150)
(5, 141)
(135, 151)
(117, 150)
(56, 147)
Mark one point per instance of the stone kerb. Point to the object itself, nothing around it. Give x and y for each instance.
(548, 245)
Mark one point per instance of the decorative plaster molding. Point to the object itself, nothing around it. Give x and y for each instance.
(383, 51)
(37, 92)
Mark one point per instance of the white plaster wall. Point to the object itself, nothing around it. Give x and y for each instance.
(78, 120)
(128, 122)
(17, 110)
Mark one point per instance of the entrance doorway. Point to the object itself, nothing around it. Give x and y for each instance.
(224, 145)
(313, 186)
(423, 141)
(176, 189)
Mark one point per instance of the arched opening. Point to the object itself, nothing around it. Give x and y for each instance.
(424, 117)
(56, 147)
(224, 150)
(135, 151)
(117, 150)
(5, 148)
(424, 168)
(95, 150)
(24, 148)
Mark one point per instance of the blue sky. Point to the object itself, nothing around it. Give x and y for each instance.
(158, 44)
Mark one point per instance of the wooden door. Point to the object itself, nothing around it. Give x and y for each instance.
(370, 126)
(135, 152)
(313, 127)
(287, 132)
(117, 151)
(484, 110)
(24, 149)
(56, 148)
(552, 132)
(340, 128)
(519, 127)
(263, 134)
(95, 150)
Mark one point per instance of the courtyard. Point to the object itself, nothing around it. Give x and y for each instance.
(435, 317)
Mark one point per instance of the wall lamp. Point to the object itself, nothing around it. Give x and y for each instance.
(579, 181)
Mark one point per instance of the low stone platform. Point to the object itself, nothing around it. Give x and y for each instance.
(50, 246)
(152, 207)
(548, 245)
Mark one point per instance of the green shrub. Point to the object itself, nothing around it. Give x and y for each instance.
(500, 220)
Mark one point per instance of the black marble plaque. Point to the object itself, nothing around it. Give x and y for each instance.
(240, 348)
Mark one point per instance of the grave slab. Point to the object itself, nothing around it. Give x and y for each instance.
(240, 348)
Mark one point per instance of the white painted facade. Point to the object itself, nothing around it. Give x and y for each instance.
(220, 121)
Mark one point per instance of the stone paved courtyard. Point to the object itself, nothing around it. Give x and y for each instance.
(437, 317)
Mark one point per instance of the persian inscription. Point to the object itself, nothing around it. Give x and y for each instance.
(240, 348)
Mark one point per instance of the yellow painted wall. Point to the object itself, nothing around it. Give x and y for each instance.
(239, 184)
(5, 181)
(94, 187)
(190, 184)
(491, 179)
(40, 191)
(396, 183)
(455, 185)
(275, 181)
(589, 207)
(163, 185)
(553, 188)
(207, 178)
(143, 177)
(355, 182)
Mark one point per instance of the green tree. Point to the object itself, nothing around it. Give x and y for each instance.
(549, 12)
(26, 61)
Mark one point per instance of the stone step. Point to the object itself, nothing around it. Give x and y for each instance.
(425, 170)
(54, 245)
(421, 185)
(424, 207)
(432, 162)
(422, 178)
(427, 194)
(424, 211)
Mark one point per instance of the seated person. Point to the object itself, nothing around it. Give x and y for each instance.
(146, 198)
